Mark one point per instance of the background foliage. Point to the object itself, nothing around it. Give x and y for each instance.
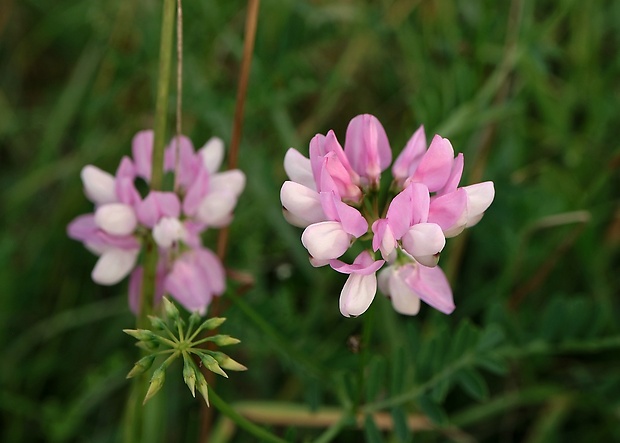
(528, 90)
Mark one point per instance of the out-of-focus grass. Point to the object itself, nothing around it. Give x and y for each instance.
(527, 90)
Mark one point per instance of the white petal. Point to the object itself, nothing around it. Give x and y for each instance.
(114, 265)
(232, 181)
(357, 294)
(116, 218)
(424, 239)
(99, 186)
(479, 198)
(326, 240)
(404, 300)
(298, 168)
(168, 231)
(215, 210)
(302, 203)
(212, 154)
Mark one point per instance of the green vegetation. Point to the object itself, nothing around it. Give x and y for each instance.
(528, 91)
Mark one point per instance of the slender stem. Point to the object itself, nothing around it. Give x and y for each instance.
(261, 433)
(242, 89)
(135, 416)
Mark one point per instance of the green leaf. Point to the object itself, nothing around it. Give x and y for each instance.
(492, 363)
(376, 377)
(490, 338)
(371, 431)
(441, 390)
(432, 410)
(401, 428)
(473, 383)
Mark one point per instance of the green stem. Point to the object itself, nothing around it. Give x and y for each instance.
(261, 433)
(363, 357)
(135, 416)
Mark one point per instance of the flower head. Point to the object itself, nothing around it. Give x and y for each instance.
(334, 195)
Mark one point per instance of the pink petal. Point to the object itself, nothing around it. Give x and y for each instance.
(99, 186)
(317, 151)
(326, 240)
(449, 211)
(404, 299)
(303, 203)
(157, 205)
(357, 294)
(298, 168)
(352, 220)
(436, 165)
(363, 264)
(135, 286)
(384, 239)
(83, 228)
(431, 285)
(142, 151)
(213, 270)
(114, 265)
(367, 147)
(188, 284)
(424, 239)
(196, 192)
(189, 163)
(455, 175)
(420, 202)
(409, 159)
(116, 219)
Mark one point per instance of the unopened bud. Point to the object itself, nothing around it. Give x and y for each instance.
(228, 363)
(224, 340)
(157, 323)
(141, 366)
(141, 334)
(211, 364)
(201, 385)
(189, 374)
(170, 309)
(157, 381)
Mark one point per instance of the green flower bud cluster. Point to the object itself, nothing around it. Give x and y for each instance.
(175, 338)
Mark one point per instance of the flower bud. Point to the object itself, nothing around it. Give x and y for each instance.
(224, 340)
(211, 364)
(228, 363)
(157, 381)
(141, 366)
(189, 374)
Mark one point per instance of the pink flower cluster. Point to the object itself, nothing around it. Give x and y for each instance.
(335, 195)
(123, 219)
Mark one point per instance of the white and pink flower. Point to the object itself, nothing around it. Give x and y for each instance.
(334, 195)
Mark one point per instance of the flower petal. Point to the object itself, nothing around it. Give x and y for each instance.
(99, 186)
(212, 154)
(431, 285)
(298, 168)
(404, 299)
(114, 265)
(157, 205)
(363, 264)
(436, 165)
(424, 239)
(216, 209)
(449, 211)
(116, 219)
(409, 159)
(302, 202)
(232, 181)
(357, 294)
(367, 147)
(326, 240)
(479, 198)
(142, 151)
(168, 231)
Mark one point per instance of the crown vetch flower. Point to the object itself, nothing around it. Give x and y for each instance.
(202, 198)
(334, 195)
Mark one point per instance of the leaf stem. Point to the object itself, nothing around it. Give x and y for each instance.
(261, 433)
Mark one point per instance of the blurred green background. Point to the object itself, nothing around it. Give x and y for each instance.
(528, 90)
